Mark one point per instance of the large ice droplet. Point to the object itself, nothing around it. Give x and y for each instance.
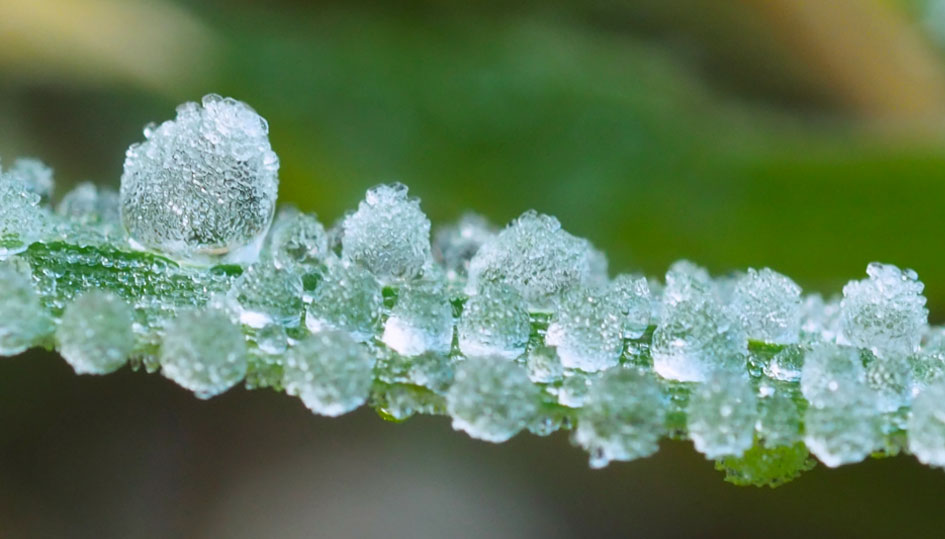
(494, 323)
(389, 234)
(330, 372)
(202, 186)
(421, 321)
(768, 306)
(456, 244)
(885, 312)
(23, 321)
(926, 425)
(347, 298)
(203, 351)
(722, 413)
(587, 330)
(491, 399)
(95, 334)
(535, 256)
(622, 418)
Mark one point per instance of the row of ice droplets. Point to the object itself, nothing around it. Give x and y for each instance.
(202, 189)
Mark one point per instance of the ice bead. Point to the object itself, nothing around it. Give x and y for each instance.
(926, 425)
(330, 372)
(928, 365)
(456, 244)
(23, 322)
(768, 306)
(22, 221)
(843, 434)
(203, 351)
(265, 295)
(820, 319)
(494, 323)
(890, 379)
(695, 336)
(95, 334)
(587, 331)
(430, 370)
(389, 234)
(298, 241)
(89, 204)
(421, 321)
(632, 295)
(543, 365)
(347, 298)
(203, 186)
(885, 312)
(535, 256)
(833, 375)
(491, 399)
(34, 175)
(622, 418)
(786, 365)
(779, 420)
(722, 414)
(575, 388)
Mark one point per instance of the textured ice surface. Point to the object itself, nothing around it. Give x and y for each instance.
(455, 245)
(22, 319)
(298, 241)
(842, 434)
(695, 336)
(926, 425)
(330, 372)
(22, 220)
(421, 321)
(928, 365)
(768, 306)
(535, 256)
(622, 418)
(491, 399)
(430, 370)
(575, 388)
(890, 379)
(89, 204)
(820, 319)
(544, 366)
(347, 298)
(203, 351)
(389, 234)
(204, 185)
(786, 365)
(494, 323)
(632, 294)
(833, 376)
(265, 295)
(779, 420)
(34, 175)
(587, 330)
(95, 334)
(885, 312)
(722, 414)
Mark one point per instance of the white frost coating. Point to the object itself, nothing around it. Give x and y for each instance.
(768, 306)
(95, 334)
(722, 414)
(587, 330)
(203, 351)
(494, 323)
(330, 372)
(421, 321)
(491, 399)
(885, 312)
(389, 234)
(203, 186)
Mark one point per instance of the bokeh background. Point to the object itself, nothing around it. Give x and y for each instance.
(805, 135)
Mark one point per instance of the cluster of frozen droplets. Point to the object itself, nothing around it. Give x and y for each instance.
(503, 329)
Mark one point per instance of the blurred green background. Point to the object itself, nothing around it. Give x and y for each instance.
(804, 135)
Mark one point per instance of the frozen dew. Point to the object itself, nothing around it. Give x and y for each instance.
(347, 298)
(779, 420)
(587, 331)
(833, 375)
(88, 204)
(330, 372)
(928, 365)
(34, 175)
(575, 388)
(885, 312)
(456, 244)
(820, 319)
(491, 399)
(632, 295)
(265, 295)
(202, 187)
(622, 418)
(22, 220)
(842, 434)
(389, 234)
(535, 256)
(430, 370)
(421, 321)
(23, 322)
(272, 339)
(722, 415)
(695, 336)
(890, 379)
(543, 365)
(768, 306)
(298, 241)
(203, 351)
(494, 323)
(786, 365)
(95, 334)
(926, 426)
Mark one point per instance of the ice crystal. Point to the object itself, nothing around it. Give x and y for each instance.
(34, 175)
(265, 295)
(330, 372)
(494, 323)
(633, 298)
(298, 242)
(885, 312)
(348, 298)
(455, 245)
(203, 351)
(492, 399)
(768, 306)
(22, 319)
(587, 331)
(421, 321)
(926, 425)
(722, 414)
(95, 334)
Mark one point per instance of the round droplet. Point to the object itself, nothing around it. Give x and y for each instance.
(203, 351)
(95, 334)
(330, 372)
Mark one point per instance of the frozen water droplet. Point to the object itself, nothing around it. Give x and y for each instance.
(890, 378)
(786, 365)
(833, 376)
(430, 370)
(842, 434)
(575, 388)
(928, 365)
(535, 256)
(203, 186)
(265, 295)
(491, 399)
(695, 336)
(421, 321)
(885, 312)
(768, 306)
(722, 414)
(779, 420)
(543, 365)
(632, 295)
(456, 244)
(23, 321)
(298, 242)
(622, 418)
(88, 204)
(926, 425)
(34, 175)
(347, 298)
(587, 331)
(22, 221)
(203, 351)
(272, 339)
(95, 334)
(820, 320)
(330, 372)
(389, 234)
(494, 323)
